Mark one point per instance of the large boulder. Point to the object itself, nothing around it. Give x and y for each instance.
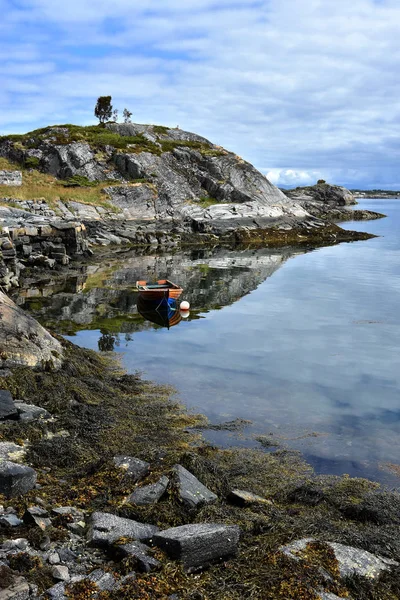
(191, 491)
(8, 409)
(198, 545)
(23, 341)
(106, 528)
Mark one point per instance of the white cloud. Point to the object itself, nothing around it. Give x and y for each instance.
(301, 87)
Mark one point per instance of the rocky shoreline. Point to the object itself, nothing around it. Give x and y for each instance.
(109, 491)
(146, 185)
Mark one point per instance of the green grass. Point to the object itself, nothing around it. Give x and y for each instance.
(37, 185)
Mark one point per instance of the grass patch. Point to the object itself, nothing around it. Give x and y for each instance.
(37, 185)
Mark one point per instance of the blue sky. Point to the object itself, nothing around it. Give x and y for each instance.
(303, 89)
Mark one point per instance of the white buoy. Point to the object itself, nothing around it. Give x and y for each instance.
(184, 313)
(184, 305)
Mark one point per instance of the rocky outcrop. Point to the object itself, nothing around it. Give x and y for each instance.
(169, 184)
(13, 178)
(23, 342)
(330, 202)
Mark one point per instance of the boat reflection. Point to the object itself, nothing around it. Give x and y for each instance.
(164, 312)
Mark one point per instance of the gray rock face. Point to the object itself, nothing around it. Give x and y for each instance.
(15, 479)
(350, 560)
(139, 552)
(149, 494)
(23, 342)
(105, 529)
(137, 201)
(134, 468)
(322, 199)
(7, 406)
(191, 491)
(199, 544)
(13, 178)
(18, 590)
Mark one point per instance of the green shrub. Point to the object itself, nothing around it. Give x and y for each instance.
(32, 162)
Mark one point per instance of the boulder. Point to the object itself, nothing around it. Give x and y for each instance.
(191, 491)
(350, 560)
(11, 451)
(106, 528)
(139, 552)
(149, 494)
(198, 545)
(16, 479)
(11, 178)
(7, 406)
(23, 342)
(106, 582)
(134, 468)
(60, 572)
(10, 520)
(35, 515)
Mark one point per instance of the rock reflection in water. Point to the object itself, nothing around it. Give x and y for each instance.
(102, 295)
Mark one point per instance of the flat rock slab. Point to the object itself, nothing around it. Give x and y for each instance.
(57, 592)
(198, 545)
(16, 479)
(18, 590)
(139, 552)
(191, 491)
(30, 412)
(134, 468)
(350, 560)
(244, 498)
(105, 529)
(7, 406)
(149, 494)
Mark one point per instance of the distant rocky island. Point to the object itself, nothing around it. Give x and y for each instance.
(376, 194)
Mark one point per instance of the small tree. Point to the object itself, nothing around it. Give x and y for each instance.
(321, 181)
(103, 109)
(127, 116)
(115, 115)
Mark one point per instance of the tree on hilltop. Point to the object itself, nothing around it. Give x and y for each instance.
(103, 109)
(127, 116)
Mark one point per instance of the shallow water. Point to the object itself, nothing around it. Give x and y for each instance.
(303, 344)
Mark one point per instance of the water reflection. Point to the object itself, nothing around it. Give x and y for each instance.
(164, 312)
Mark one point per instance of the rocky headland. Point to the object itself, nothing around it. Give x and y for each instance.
(66, 189)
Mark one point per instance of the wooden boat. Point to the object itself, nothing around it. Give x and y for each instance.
(163, 288)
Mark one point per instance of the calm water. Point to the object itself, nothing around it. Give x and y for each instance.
(305, 345)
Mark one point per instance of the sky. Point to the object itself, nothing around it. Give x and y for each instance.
(303, 89)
